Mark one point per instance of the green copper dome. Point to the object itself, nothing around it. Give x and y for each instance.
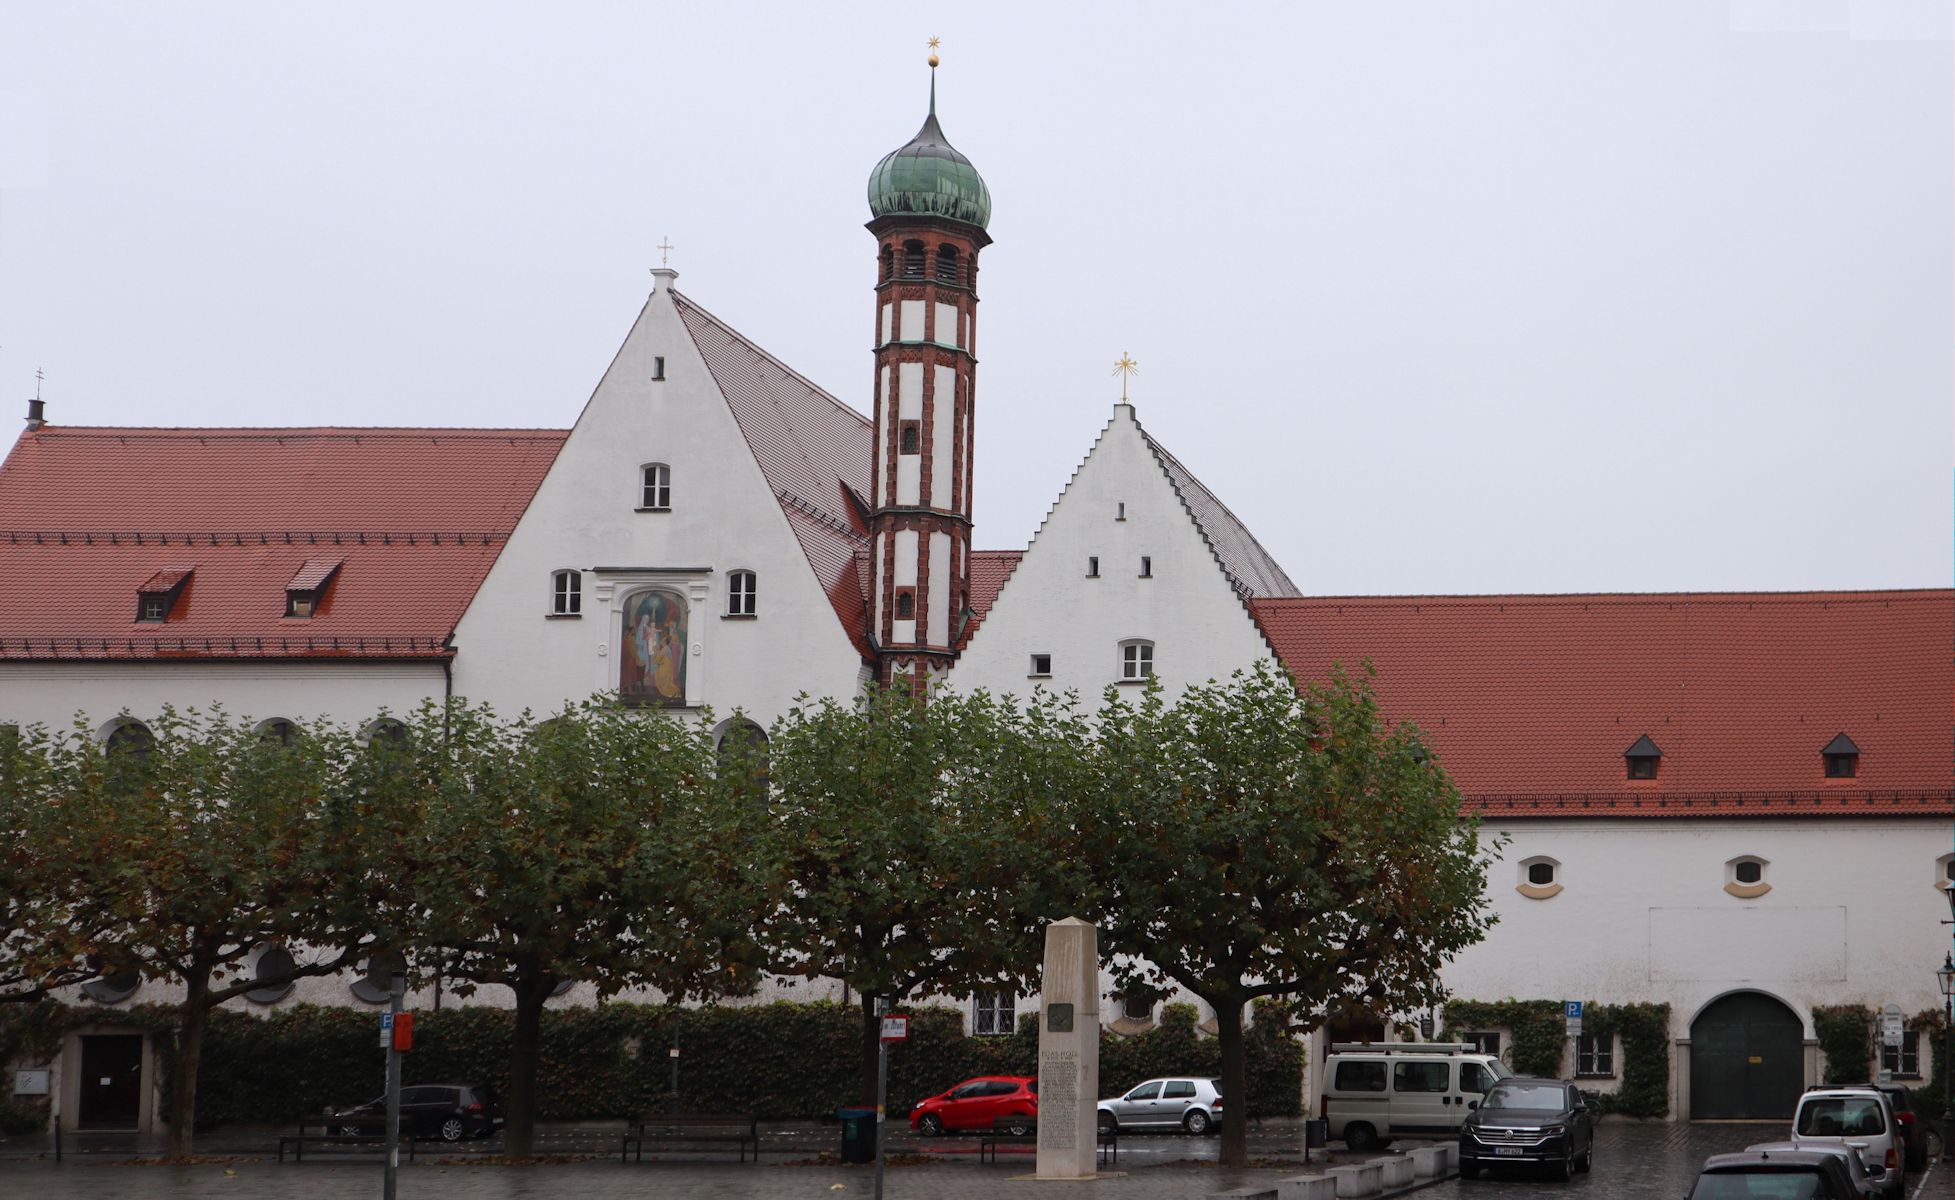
(927, 177)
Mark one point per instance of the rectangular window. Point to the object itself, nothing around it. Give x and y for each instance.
(567, 597)
(1595, 1054)
(1903, 1060)
(155, 608)
(1421, 1076)
(1120, 511)
(1485, 1043)
(1146, 567)
(1041, 664)
(993, 1014)
(1093, 567)
(1360, 1077)
(742, 594)
(657, 492)
(658, 368)
(1137, 660)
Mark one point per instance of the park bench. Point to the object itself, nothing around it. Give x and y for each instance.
(684, 1129)
(341, 1131)
(1002, 1131)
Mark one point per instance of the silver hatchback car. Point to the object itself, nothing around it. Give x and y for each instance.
(1187, 1102)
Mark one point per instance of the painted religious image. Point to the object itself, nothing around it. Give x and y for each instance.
(652, 669)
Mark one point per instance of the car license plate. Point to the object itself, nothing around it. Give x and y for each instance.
(1505, 1151)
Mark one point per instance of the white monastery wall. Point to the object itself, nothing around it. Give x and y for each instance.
(1186, 607)
(351, 693)
(723, 516)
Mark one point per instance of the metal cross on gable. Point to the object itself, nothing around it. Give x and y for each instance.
(1126, 368)
(665, 249)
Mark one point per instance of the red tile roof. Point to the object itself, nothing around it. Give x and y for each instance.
(1530, 701)
(811, 448)
(989, 570)
(92, 515)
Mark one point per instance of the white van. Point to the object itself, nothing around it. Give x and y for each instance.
(1375, 1091)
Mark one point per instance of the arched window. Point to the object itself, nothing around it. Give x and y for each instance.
(114, 987)
(1540, 878)
(913, 260)
(656, 490)
(1136, 661)
(888, 262)
(905, 604)
(278, 732)
(567, 594)
(910, 438)
(384, 733)
(742, 594)
(273, 972)
(743, 761)
(375, 984)
(129, 738)
(947, 265)
(1744, 877)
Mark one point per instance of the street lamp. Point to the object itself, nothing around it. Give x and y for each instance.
(1946, 978)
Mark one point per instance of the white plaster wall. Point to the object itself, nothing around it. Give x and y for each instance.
(1199, 627)
(1852, 918)
(939, 627)
(350, 693)
(943, 431)
(723, 515)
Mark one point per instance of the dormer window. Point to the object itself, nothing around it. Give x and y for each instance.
(307, 591)
(156, 599)
(655, 493)
(1842, 758)
(1641, 759)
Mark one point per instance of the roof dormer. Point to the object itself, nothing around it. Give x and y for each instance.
(1641, 759)
(156, 598)
(307, 590)
(1842, 758)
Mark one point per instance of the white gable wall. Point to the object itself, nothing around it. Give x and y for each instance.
(1199, 627)
(513, 654)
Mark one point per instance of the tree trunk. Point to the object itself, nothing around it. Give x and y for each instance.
(519, 1134)
(1235, 1083)
(190, 1051)
(871, 1052)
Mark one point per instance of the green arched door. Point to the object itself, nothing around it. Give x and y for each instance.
(1747, 1059)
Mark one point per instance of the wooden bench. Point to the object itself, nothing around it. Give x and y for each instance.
(1001, 1133)
(743, 1130)
(334, 1131)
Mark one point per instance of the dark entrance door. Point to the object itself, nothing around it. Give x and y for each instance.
(111, 1081)
(1747, 1059)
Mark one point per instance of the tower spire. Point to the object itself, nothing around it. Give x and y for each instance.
(934, 43)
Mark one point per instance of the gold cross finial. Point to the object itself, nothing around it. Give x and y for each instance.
(1126, 368)
(934, 43)
(665, 249)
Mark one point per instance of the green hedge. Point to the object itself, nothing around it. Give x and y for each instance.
(1538, 1032)
(782, 1060)
(1845, 1033)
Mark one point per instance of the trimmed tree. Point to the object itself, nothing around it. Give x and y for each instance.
(600, 846)
(201, 840)
(1257, 843)
(916, 844)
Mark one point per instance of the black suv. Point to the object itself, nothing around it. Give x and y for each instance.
(1786, 1175)
(449, 1111)
(1541, 1122)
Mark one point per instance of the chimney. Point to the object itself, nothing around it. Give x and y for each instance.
(34, 420)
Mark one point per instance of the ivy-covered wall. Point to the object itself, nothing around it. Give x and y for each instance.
(779, 1060)
(1537, 1035)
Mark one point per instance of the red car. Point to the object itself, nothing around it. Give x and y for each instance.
(981, 1103)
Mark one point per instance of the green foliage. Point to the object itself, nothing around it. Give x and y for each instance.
(1845, 1033)
(781, 1060)
(1644, 1031)
(21, 1120)
(1257, 843)
(1537, 1031)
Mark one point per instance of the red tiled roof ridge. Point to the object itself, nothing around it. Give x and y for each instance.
(1543, 599)
(271, 432)
(679, 297)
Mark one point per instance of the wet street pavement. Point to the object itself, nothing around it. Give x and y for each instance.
(1634, 1161)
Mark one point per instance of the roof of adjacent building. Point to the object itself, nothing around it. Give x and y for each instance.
(1531, 702)
(989, 570)
(1250, 568)
(413, 518)
(812, 449)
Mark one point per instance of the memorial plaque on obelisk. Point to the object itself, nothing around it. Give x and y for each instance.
(1069, 1051)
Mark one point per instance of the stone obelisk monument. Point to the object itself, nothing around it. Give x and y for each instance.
(1069, 1051)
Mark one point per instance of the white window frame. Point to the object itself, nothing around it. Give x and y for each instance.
(1595, 1055)
(1904, 1060)
(655, 487)
(994, 1014)
(1136, 660)
(567, 593)
(742, 593)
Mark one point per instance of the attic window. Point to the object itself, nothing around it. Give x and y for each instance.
(1842, 758)
(1093, 567)
(307, 590)
(1146, 567)
(1120, 511)
(1041, 666)
(156, 598)
(658, 368)
(1642, 758)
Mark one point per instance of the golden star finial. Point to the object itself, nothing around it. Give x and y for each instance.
(934, 43)
(1126, 368)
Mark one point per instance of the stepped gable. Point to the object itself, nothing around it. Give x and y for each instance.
(413, 517)
(811, 448)
(1529, 702)
(1251, 570)
(989, 571)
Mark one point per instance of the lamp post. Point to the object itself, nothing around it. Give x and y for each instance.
(1946, 978)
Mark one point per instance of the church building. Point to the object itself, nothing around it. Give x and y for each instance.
(1738, 805)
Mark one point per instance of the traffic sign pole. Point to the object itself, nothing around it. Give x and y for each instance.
(396, 986)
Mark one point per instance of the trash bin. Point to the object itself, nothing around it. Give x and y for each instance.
(1316, 1131)
(858, 1134)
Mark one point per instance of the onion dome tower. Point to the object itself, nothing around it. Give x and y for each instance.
(929, 208)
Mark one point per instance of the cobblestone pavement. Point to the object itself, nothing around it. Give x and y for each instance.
(1634, 1161)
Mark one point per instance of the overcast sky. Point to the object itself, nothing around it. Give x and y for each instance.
(1449, 297)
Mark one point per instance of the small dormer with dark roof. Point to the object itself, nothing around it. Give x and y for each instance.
(1642, 758)
(157, 598)
(1842, 758)
(307, 590)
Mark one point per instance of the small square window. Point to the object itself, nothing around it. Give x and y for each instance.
(1642, 768)
(1595, 1054)
(1484, 1042)
(300, 604)
(1540, 874)
(993, 1014)
(1842, 766)
(1749, 871)
(1041, 664)
(155, 608)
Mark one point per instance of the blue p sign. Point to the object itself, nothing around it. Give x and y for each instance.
(1574, 1009)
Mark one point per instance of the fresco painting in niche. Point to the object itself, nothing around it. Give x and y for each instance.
(653, 670)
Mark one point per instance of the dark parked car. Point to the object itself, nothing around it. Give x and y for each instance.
(449, 1111)
(1774, 1175)
(1863, 1183)
(1540, 1122)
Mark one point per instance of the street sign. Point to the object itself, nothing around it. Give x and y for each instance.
(1892, 1024)
(895, 1028)
(1573, 1009)
(386, 1031)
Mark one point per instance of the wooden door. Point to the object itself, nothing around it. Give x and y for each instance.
(1747, 1059)
(112, 1081)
